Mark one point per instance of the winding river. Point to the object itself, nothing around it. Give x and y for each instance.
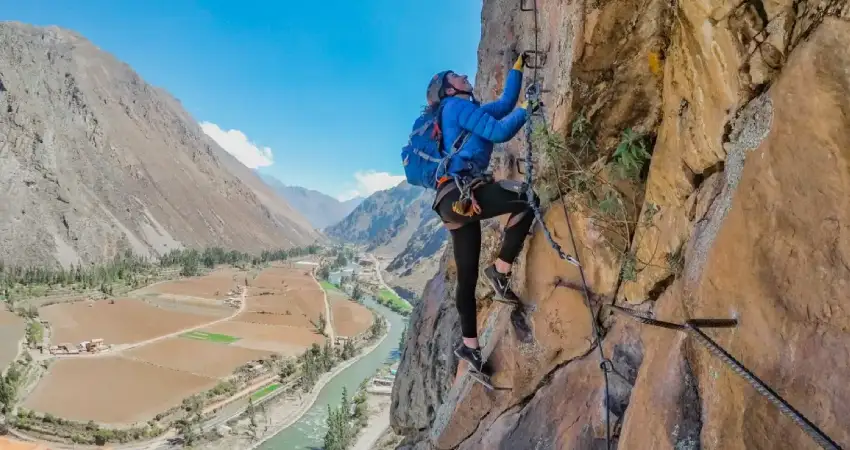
(309, 431)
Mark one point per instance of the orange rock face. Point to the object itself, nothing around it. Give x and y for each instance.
(749, 108)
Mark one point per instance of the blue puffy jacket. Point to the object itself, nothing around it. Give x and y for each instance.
(488, 124)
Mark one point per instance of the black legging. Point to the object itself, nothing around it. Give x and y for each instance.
(494, 200)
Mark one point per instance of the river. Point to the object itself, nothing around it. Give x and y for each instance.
(309, 431)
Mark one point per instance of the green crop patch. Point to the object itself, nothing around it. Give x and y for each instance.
(265, 391)
(391, 300)
(212, 337)
(328, 286)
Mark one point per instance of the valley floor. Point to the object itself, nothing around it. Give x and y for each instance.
(218, 338)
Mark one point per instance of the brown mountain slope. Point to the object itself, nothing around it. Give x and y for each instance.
(94, 160)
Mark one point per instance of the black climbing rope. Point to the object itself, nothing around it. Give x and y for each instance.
(693, 326)
(533, 94)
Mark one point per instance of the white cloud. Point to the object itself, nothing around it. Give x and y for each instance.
(237, 144)
(370, 182)
(347, 196)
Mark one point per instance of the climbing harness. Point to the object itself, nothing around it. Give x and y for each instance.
(692, 326)
(466, 205)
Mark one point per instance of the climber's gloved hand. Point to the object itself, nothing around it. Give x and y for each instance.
(532, 92)
(531, 106)
(520, 62)
(532, 98)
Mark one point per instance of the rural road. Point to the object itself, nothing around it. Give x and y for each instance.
(329, 329)
(122, 347)
(381, 279)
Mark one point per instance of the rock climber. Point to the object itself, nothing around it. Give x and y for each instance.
(470, 194)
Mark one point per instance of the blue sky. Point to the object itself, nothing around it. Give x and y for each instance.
(340, 81)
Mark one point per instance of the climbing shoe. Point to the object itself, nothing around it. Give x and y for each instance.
(501, 283)
(473, 357)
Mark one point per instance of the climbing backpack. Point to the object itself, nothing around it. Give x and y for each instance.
(423, 157)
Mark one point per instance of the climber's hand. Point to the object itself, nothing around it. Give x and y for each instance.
(532, 92)
(520, 62)
(532, 98)
(531, 105)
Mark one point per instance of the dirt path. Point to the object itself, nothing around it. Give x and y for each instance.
(116, 349)
(329, 329)
(381, 279)
(378, 423)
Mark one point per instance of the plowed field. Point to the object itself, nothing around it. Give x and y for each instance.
(135, 384)
(126, 321)
(112, 390)
(280, 278)
(349, 318)
(12, 330)
(205, 358)
(287, 340)
(212, 286)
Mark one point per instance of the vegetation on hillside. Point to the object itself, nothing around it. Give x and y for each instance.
(605, 184)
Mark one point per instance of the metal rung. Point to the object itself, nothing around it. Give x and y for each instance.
(534, 59)
(519, 164)
(714, 323)
(523, 3)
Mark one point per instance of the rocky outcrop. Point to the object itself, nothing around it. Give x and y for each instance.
(95, 161)
(739, 212)
(411, 269)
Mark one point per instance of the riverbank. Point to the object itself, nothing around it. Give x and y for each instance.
(278, 414)
(379, 422)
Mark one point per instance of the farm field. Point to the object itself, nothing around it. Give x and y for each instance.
(12, 329)
(211, 337)
(295, 319)
(112, 390)
(289, 341)
(126, 321)
(204, 358)
(135, 384)
(349, 317)
(265, 391)
(304, 302)
(9, 444)
(212, 286)
(281, 278)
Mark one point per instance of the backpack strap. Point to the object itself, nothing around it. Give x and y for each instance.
(459, 142)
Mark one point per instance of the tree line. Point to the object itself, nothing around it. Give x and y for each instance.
(128, 265)
(316, 361)
(346, 420)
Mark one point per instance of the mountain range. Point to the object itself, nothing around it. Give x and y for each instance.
(95, 161)
(320, 209)
(398, 224)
